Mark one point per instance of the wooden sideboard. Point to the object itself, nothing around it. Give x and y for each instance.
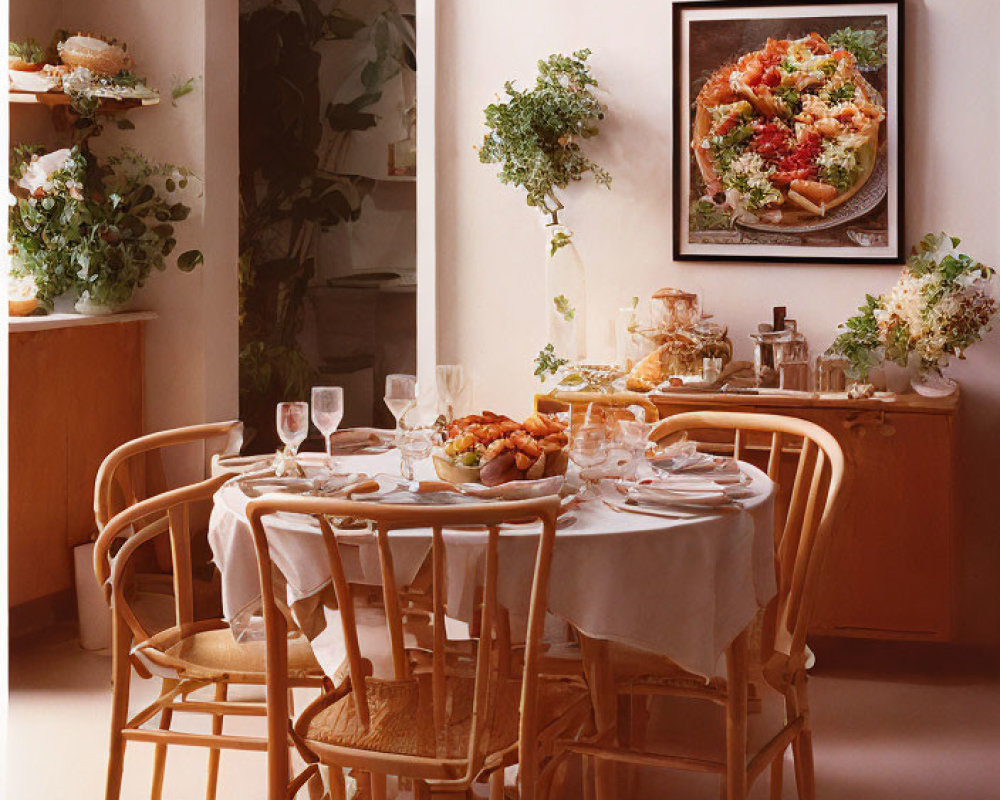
(890, 569)
(75, 394)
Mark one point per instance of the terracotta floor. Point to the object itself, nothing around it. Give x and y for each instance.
(907, 723)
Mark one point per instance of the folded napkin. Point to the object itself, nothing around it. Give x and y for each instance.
(350, 440)
(695, 462)
(516, 490)
(332, 484)
(671, 492)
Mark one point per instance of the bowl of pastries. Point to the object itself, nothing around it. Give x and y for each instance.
(492, 449)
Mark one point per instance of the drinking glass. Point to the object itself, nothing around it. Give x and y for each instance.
(589, 448)
(633, 436)
(415, 438)
(293, 425)
(400, 394)
(450, 382)
(327, 412)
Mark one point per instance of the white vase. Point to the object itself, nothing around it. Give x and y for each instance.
(931, 383)
(85, 306)
(566, 279)
(898, 377)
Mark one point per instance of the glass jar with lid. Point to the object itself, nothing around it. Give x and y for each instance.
(672, 309)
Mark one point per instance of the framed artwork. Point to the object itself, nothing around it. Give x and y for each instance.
(788, 131)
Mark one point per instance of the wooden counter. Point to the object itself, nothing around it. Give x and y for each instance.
(75, 394)
(890, 570)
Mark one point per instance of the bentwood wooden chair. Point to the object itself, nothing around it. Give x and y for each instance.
(150, 465)
(449, 714)
(135, 470)
(778, 658)
(189, 653)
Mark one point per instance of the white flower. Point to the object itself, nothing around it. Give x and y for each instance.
(21, 287)
(36, 176)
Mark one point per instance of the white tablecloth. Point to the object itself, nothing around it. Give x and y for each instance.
(680, 588)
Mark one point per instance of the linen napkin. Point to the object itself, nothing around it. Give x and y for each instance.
(516, 490)
(688, 492)
(351, 440)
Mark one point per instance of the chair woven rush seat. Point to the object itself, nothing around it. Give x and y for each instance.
(454, 708)
(166, 624)
(207, 649)
(402, 720)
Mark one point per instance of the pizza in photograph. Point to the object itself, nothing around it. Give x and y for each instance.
(787, 133)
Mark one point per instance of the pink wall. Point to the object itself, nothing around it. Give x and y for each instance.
(490, 277)
(192, 348)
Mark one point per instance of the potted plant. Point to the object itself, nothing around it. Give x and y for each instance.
(535, 135)
(941, 304)
(93, 231)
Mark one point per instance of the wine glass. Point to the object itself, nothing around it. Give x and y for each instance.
(633, 436)
(450, 382)
(589, 448)
(400, 394)
(327, 412)
(415, 438)
(293, 425)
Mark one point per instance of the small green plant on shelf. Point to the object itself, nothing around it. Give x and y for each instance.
(28, 53)
(93, 230)
(535, 135)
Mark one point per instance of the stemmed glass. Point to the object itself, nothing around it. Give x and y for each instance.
(415, 438)
(450, 382)
(400, 394)
(589, 448)
(327, 412)
(633, 436)
(293, 425)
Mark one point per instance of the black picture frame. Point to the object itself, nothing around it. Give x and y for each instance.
(681, 122)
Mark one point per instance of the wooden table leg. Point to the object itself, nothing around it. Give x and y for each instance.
(736, 718)
(601, 680)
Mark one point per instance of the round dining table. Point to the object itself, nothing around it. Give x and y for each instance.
(681, 585)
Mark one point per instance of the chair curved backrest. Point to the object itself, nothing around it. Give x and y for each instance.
(486, 658)
(802, 537)
(170, 513)
(133, 471)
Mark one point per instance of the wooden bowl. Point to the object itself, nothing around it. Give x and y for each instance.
(455, 473)
(21, 308)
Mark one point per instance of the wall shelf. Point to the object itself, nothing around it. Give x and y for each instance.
(60, 99)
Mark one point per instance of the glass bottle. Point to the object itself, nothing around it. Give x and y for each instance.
(765, 373)
(791, 358)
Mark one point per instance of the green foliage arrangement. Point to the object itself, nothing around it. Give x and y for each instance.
(942, 304)
(30, 52)
(868, 46)
(95, 230)
(535, 134)
(547, 362)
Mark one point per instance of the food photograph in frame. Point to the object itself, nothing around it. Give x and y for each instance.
(788, 127)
